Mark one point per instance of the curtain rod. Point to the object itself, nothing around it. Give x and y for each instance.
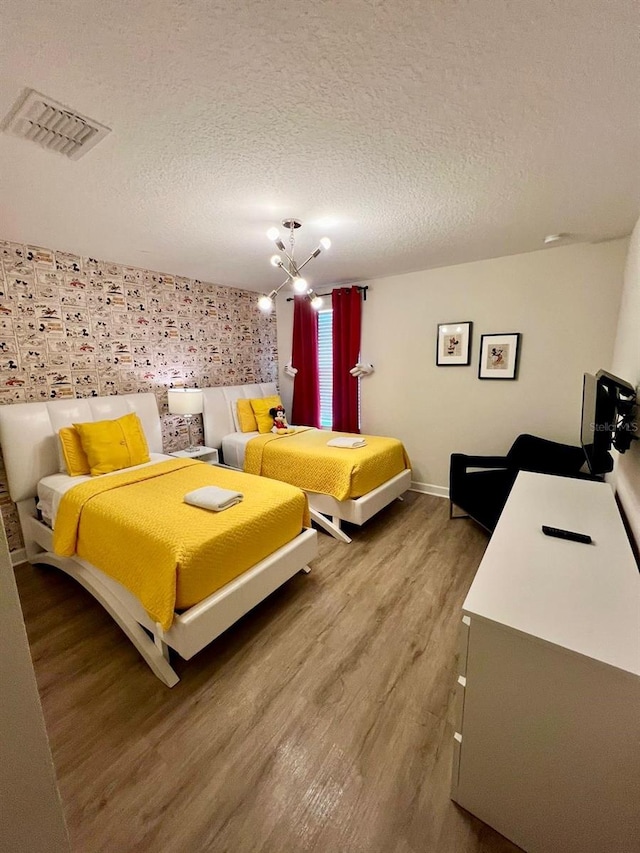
(363, 291)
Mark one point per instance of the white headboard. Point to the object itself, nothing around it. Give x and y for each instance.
(29, 433)
(218, 420)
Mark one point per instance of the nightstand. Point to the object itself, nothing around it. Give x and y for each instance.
(202, 454)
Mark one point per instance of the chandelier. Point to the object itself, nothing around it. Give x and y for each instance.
(290, 267)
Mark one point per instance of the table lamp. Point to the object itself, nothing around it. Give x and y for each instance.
(186, 402)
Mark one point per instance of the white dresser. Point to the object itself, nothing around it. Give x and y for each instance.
(547, 743)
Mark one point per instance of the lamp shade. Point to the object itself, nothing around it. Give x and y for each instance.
(185, 401)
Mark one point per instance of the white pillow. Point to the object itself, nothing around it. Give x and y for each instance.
(234, 415)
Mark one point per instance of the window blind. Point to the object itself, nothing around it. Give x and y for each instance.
(325, 367)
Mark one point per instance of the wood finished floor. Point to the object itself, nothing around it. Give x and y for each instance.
(322, 721)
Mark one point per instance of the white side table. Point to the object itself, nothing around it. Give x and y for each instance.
(202, 454)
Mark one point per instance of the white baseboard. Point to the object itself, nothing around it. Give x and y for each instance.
(19, 556)
(429, 489)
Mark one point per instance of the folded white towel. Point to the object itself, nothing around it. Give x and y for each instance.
(211, 497)
(344, 441)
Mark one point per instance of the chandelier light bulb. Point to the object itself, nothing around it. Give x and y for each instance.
(316, 302)
(265, 303)
(325, 242)
(273, 233)
(300, 284)
(276, 261)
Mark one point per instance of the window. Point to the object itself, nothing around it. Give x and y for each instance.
(325, 367)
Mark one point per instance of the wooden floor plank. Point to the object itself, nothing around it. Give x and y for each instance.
(322, 721)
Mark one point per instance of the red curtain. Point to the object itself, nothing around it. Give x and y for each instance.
(304, 357)
(347, 314)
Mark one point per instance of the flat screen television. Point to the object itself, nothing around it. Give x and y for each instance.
(607, 409)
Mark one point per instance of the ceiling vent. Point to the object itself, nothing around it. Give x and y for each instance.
(53, 126)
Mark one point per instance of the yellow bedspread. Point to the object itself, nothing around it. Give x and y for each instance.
(304, 460)
(135, 527)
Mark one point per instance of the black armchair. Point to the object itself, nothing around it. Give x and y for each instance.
(483, 494)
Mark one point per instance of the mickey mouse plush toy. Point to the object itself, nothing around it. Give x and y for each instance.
(280, 425)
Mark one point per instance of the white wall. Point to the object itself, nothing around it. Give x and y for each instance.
(564, 301)
(626, 365)
(32, 819)
(284, 314)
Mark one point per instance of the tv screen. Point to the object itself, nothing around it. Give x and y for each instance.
(594, 437)
(589, 392)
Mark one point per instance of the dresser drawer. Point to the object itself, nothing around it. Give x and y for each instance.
(463, 644)
(455, 764)
(458, 703)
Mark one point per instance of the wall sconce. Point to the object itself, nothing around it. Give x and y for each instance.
(361, 369)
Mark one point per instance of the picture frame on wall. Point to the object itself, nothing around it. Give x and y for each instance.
(454, 344)
(499, 355)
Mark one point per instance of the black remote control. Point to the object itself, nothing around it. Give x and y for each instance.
(566, 534)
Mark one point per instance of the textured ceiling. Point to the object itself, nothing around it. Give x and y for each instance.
(414, 134)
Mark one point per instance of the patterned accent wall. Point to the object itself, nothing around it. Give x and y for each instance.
(79, 327)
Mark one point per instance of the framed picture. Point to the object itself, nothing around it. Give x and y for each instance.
(454, 344)
(499, 356)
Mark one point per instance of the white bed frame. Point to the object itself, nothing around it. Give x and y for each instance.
(28, 435)
(326, 511)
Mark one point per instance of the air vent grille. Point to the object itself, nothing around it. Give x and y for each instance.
(54, 126)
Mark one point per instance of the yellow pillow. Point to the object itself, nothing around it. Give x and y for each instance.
(113, 445)
(246, 419)
(75, 458)
(261, 408)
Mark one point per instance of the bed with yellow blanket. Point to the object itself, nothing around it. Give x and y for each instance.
(172, 575)
(304, 459)
(342, 484)
(136, 527)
